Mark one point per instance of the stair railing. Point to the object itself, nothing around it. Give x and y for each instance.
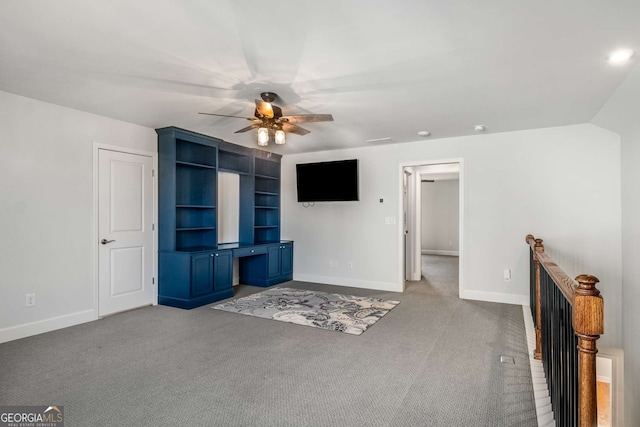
(569, 319)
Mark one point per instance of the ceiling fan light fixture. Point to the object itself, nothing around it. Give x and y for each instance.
(263, 137)
(280, 137)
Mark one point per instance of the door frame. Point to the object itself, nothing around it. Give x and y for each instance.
(461, 255)
(95, 237)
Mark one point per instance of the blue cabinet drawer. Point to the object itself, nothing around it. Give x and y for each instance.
(254, 250)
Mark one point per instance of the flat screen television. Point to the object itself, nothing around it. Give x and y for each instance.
(335, 181)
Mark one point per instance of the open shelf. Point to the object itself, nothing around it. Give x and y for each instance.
(267, 168)
(233, 171)
(195, 186)
(195, 165)
(230, 161)
(265, 177)
(266, 218)
(266, 228)
(194, 228)
(266, 235)
(199, 237)
(188, 153)
(195, 218)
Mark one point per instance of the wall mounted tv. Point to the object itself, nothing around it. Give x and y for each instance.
(328, 181)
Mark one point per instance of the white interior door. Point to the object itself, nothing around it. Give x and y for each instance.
(125, 218)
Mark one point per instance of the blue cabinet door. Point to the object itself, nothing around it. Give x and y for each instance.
(222, 270)
(286, 259)
(201, 274)
(273, 267)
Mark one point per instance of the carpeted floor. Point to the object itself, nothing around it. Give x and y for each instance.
(431, 361)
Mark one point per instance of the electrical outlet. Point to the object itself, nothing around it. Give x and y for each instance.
(30, 300)
(333, 263)
(350, 265)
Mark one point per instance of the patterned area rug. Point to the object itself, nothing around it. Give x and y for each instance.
(344, 313)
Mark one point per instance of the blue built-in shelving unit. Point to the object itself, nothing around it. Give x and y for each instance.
(194, 268)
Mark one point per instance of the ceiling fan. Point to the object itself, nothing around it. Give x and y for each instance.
(270, 122)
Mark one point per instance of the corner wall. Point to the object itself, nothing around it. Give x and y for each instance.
(620, 114)
(561, 184)
(46, 187)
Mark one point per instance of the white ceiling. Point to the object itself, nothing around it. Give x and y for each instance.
(382, 68)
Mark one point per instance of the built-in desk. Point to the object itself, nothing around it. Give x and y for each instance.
(210, 271)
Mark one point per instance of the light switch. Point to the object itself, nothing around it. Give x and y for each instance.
(390, 220)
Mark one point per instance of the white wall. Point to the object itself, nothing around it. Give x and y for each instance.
(46, 211)
(561, 184)
(440, 212)
(621, 115)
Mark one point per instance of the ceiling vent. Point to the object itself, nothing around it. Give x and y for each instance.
(380, 140)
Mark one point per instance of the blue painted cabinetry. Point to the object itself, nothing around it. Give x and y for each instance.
(194, 268)
(192, 279)
(276, 266)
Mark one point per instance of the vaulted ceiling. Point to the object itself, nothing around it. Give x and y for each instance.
(383, 69)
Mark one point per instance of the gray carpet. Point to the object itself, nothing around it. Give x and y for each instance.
(432, 361)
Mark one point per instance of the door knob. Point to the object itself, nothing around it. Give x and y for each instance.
(105, 241)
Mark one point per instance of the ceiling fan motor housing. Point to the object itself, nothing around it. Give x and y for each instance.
(268, 96)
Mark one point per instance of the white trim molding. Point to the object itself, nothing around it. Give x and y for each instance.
(439, 252)
(342, 281)
(495, 297)
(46, 325)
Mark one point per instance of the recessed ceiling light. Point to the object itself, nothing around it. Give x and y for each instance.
(479, 128)
(620, 56)
(424, 133)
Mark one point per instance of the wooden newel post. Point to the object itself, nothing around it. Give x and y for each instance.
(537, 354)
(588, 323)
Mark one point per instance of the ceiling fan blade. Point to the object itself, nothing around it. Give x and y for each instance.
(307, 118)
(226, 115)
(287, 127)
(248, 128)
(277, 111)
(264, 109)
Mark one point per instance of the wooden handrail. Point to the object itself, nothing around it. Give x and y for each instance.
(562, 280)
(587, 321)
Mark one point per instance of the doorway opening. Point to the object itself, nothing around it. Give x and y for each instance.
(432, 215)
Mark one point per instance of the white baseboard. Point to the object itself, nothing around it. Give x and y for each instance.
(495, 297)
(354, 283)
(46, 325)
(438, 252)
